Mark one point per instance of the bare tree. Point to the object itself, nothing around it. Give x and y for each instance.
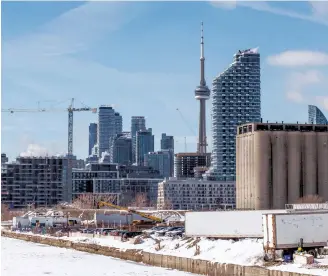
(311, 199)
(7, 214)
(89, 200)
(167, 205)
(141, 200)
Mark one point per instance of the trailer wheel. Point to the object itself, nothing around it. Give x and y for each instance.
(313, 252)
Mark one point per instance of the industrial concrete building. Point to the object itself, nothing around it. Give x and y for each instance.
(279, 163)
(186, 162)
(193, 194)
(42, 181)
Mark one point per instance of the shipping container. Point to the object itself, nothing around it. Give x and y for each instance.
(226, 224)
(291, 230)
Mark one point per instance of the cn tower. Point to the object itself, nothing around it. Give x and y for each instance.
(202, 93)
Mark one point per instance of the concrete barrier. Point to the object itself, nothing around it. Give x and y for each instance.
(196, 266)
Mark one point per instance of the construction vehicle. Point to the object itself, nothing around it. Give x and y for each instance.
(152, 219)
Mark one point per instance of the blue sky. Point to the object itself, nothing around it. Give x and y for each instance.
(143, 57)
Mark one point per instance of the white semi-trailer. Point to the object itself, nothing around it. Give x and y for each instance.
(290, 231)
(226, 224)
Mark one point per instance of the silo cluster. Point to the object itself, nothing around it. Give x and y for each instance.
(279, 167)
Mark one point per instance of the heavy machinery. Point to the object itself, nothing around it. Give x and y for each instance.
(153, 220)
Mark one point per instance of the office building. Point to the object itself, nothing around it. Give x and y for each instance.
(236, 100)
(41, 181)
(109, 124)
(126, 181)
(92, 136)
(4, 158)
(144, 144)
(278, 164)
(121, 149)
(193, 194)
(137, 123)
(160, 161)
(315, 116)
(185, 163)
(118, 123)
(167, 143)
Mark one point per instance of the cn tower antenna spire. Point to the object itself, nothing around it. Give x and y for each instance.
(202, 57)
(202, 93)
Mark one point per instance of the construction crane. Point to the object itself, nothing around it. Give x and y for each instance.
(71, 109)
(136, 222)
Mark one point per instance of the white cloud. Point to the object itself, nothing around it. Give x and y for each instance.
(299, 58)
(320, 8)
(322, 101)
(266, 7)
(35, 150)
(301, 83)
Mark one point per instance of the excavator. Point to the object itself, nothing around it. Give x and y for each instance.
(152, 220)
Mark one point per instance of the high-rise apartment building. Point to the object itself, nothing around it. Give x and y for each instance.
(137, 123)
(92, 136)
(42, 181)
(185, 163)
(126, 181)
(144, 144)
(193, 194)
(109, 124)
(278, 164)
(316, 116)
(121, 149)
(167, 143)
(236, 100)
(160, 161)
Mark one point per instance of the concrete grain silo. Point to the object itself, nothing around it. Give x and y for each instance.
(262, 170)
(322, 151)
(241, 186)
(294, 165)
(244, 177)
(279, 176)
(309, 155)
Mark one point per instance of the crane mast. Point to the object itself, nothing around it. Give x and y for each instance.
(70, 111)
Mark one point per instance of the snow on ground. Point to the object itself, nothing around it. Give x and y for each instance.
(25, 258)
(243, 252)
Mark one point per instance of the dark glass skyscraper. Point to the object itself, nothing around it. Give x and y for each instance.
(144, 145)
(92, 136)
(167, 143)
(109, 124)
(316, 116)
(236, 100)
(121, 149)
(137, 123)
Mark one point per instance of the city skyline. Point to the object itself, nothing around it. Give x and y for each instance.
(42, 63)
